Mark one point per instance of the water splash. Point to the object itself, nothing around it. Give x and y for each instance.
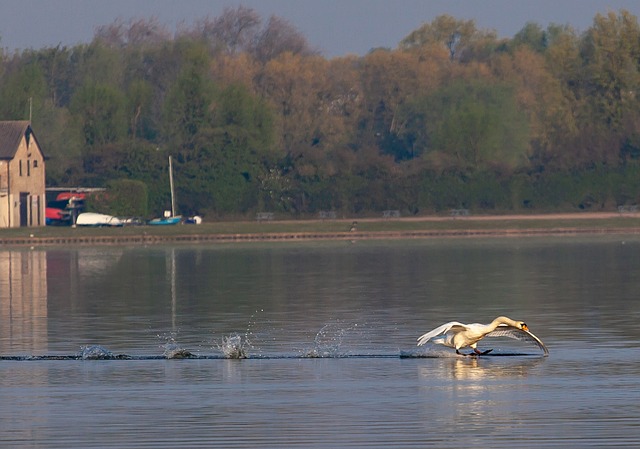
(95, 352)
(173, 350)
(328, 342)
(249, 333)
(233, 347)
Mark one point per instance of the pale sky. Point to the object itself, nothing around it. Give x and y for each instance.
(334, 27)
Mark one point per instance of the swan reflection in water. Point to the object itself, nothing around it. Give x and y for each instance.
(471, 392)
(457, 335)
(475, 368)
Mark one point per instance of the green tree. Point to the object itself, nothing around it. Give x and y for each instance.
(611, 51)
(461, 38)
(99, 111)
(388, 80)
(531, 35)
(22, 88)
(541, 97)
(187, 105)
(611, 54)
(98, 63)
(228, 162)
(470, 126)
(139, 97)
(123, 198)
(245, 128)
(57, 68)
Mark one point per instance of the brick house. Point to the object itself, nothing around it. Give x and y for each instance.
(22, 176)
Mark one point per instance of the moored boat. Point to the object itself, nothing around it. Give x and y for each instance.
(95, 219)
(170, 217)
(165, 221)
(57, 217)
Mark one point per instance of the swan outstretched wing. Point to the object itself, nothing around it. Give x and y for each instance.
(452, 325)
(519, 334)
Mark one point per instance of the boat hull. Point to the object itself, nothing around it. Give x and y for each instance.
(94, 219)
(165, 221)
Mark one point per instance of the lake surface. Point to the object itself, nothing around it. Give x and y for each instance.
(328, 330)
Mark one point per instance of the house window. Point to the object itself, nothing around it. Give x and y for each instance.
(35, 163)
(28, 167)
(20, 167)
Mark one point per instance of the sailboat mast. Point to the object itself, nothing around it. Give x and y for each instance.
(173, 201)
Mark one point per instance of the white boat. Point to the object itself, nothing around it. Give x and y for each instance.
(95, 219)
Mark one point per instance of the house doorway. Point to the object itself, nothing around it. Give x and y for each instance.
(24, 209)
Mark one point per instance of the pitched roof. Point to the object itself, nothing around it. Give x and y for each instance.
(10, 135)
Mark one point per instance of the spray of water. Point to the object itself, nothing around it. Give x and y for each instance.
(328, 342)
(249, 333)
(94, 352)
(233, 347)
(171, 348)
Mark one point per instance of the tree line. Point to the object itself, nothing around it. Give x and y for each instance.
(257, 120)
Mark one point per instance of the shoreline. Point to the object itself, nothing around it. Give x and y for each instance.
(461, 227)
(281, 237)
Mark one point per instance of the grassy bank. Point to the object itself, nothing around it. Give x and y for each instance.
(367, 228)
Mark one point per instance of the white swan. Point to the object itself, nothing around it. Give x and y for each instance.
(457, 335)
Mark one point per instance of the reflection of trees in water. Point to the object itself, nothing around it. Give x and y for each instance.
(78, 274)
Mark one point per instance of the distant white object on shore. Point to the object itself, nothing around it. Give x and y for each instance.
(95, 219)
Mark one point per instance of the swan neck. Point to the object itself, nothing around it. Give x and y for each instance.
(504, 320)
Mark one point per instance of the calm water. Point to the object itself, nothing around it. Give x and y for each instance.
(323, 326)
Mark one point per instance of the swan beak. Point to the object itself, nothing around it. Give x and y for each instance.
(525, 327)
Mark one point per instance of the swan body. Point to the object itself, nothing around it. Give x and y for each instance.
(457, 335)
